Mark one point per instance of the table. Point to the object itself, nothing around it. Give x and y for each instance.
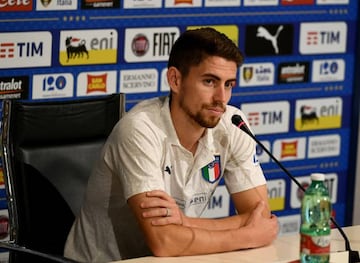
(285, 249)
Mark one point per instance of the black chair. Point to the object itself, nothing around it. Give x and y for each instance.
(49, 149)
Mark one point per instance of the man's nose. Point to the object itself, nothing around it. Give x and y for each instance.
(220, 93)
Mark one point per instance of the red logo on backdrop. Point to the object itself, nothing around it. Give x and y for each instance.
(297, 2)
(289, 149)
(96, 83)
(16, 5)
(140, 45)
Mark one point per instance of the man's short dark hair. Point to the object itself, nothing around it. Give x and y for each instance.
(193, 46)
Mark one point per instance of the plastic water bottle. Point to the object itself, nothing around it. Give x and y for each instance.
(315, 226)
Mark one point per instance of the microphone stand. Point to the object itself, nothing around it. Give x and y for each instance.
(353, 255)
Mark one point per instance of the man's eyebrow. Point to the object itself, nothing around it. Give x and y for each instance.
(210, 75)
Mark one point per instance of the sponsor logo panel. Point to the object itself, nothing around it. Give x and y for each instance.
(183, 3)
(53, 86)
(318, 114)
(96, 83)
(323, 38)
(269, 40)
(96, 4)
(14, 87)
(212, 3)
(18, 5)
(268, 117)
(331, 182)
(81, 47)
(149, 44)
(276, 192)
(297, 2)
(260, 2)
(219, 203)
(326, 70)
(332, 2)
(138, 80)
(293, 72)
(25, 50)
(324, 146)
(289, 149)
(129, 4)
(257, 74)
(50, 5)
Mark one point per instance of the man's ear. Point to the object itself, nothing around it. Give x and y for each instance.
(173, 78)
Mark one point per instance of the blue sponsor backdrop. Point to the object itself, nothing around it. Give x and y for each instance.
(301, 52)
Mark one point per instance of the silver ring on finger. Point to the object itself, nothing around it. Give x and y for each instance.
(168, 212)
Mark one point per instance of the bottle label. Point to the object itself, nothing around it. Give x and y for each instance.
(315, 244)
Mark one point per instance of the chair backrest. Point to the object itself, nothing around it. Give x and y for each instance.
(49, 149)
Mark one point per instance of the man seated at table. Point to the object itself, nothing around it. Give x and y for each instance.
(168, 152)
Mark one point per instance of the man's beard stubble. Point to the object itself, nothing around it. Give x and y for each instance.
(199, 118)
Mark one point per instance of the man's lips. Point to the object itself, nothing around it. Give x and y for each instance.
(218, 110)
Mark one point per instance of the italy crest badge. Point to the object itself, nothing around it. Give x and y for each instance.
(212, 171)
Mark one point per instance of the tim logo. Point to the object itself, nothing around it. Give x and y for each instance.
(7, 50)
(323, 38)
(268, 117)
(24, 50)
(88, 47)
(317, 114)
(264, 40)
(253, 118)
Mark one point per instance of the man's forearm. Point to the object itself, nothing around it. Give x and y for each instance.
(227, 223)
(183, 241)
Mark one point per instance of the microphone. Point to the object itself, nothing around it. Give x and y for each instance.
(240, 123)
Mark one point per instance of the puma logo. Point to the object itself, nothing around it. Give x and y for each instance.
(168, 170)
(263, 32)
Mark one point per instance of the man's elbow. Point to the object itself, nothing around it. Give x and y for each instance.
(162, 246)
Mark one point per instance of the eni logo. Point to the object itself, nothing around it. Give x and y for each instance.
(82, 47)
(318, 114)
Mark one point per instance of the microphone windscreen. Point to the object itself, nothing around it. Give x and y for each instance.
(236, 119)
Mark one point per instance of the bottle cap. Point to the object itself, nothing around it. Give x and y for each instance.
(317, 177)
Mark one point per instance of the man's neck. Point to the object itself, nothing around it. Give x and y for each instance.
(188, 131)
